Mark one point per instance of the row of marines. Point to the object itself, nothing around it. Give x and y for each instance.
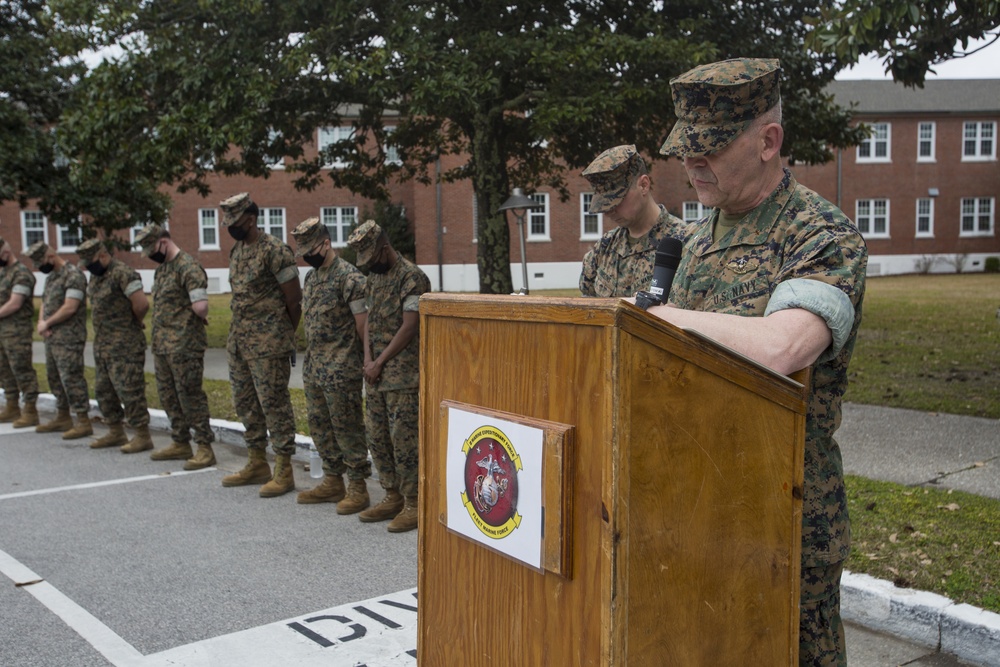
(358, 330)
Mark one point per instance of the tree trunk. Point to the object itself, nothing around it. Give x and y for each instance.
(489, 180)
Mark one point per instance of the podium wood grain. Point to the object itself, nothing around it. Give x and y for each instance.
(685, 492)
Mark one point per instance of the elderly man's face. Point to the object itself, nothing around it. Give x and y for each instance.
(729, 179)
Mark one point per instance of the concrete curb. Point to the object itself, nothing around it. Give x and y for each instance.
(230, 433)
(927, 619)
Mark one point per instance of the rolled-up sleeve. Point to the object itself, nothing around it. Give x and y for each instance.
(819, 298)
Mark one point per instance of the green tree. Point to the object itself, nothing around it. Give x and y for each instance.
(910, 37)
(524, 90)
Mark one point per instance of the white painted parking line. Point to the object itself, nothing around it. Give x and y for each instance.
(110, 482)
(118, 651)
(380, 632)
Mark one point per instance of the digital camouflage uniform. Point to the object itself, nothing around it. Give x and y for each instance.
(179, 342)
(332, 371)
(18, 373)
(261, 341)
(793, 235)
(119, 346)
(617, 267)
(392, 405)
(64, 348)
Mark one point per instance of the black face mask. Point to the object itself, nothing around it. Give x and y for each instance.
(159, 257)
(379, 267)
(47, 268)
(3, 263)
(97, 268)
(238, 233)
(315, 260)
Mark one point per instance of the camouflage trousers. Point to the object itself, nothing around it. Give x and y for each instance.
(821, 631)
(16, 370)
(120, 379)
(261, 399)
(392, 422)
(179, 386)
(64, 371)
(337, 426)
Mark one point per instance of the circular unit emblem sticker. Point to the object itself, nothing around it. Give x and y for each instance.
(490, 496)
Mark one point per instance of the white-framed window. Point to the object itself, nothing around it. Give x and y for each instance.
(279, 162)
(925, 217)
(339, 220)
(977, 216)
(208, 229)
(68, 239)
(537, 219)
(873, 218)
(326, 136)
(591, 224)
(694, 211)
(272, 221)
(391, 152)
(925, 141)
(979, 141)
(34, 228)
(877, 146)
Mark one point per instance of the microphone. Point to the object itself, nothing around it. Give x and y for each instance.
(668, 257)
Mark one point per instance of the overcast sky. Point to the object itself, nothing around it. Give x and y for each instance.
(982, 65)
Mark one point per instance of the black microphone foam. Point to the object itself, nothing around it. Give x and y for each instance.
(668, 257)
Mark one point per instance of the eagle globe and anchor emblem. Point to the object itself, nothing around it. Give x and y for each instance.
(490, 496)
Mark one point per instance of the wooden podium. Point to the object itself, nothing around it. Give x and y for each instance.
(672, 503)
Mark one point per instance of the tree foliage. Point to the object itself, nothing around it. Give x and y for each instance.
(522, 91)
(910, 37)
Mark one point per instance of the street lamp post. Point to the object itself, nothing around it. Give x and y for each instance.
(519, 203)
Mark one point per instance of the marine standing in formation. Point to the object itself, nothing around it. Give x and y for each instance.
(392, 373)
(333, 314)
(621, 262)
(180, 315)
(62, 324)
(17, 287)
(118, 306)
(777, 273)
(266, 306)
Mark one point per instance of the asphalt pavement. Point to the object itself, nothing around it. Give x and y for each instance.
(139, 563)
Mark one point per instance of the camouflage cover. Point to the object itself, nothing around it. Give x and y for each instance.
(715, 102)
(611, 174)
(234, 207)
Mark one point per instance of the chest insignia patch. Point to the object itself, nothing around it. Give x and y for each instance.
(743, 265)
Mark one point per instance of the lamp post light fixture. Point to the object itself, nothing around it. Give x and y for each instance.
(519, 203)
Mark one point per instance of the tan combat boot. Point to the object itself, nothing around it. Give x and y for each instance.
(176, 451)
(387, 509)
(115, 437)
(61, 422)
(13, 409)
(256, 471)
(406, 520)
(82, 429)
(357, 498)
(330, 490)
(204, 458)
(140, 443)
(282, 481)
(29, 416)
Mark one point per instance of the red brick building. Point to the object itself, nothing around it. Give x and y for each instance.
(923, 190)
